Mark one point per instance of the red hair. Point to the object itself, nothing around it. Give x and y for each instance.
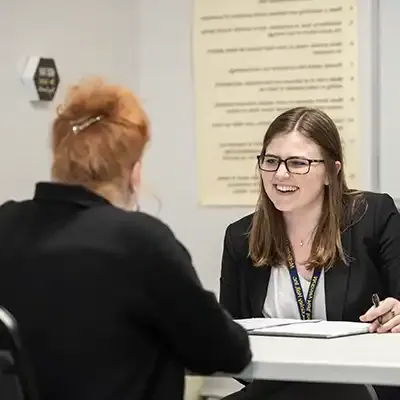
(99, 133)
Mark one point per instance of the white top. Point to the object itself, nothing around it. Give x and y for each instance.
(281, 300)
(363, 359)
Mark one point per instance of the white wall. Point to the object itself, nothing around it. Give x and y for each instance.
(86, 37)
(389, 80)
(166, 87)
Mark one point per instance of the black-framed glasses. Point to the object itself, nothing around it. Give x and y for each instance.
(294, 165)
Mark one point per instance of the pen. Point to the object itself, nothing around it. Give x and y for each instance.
(375, 302)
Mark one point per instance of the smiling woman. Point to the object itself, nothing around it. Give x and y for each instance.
(301, 170)
(308, 226)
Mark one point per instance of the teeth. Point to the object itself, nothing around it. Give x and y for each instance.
(282, 188)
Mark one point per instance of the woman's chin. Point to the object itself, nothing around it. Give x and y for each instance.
(284, 203)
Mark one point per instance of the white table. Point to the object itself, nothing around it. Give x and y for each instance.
(365, 359)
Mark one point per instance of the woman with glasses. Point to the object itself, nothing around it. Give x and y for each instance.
(308, 226)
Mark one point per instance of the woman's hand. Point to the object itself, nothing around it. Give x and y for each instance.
(389, 313)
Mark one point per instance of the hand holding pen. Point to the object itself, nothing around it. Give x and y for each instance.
(383, 315)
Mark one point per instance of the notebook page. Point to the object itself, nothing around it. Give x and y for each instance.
(321, 329)
(251, 324)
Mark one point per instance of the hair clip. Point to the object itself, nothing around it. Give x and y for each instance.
(83, 123)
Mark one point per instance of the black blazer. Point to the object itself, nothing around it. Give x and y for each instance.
(108, 302)
(371, 241)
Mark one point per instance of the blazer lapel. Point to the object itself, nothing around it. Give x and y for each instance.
(257, 284)
(336, 280)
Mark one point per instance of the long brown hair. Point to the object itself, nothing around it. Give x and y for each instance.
(267, 236)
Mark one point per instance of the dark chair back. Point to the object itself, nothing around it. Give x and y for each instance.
(16, 376)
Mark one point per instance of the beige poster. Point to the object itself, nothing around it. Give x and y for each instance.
(254, 59)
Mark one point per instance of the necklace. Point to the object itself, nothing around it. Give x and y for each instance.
(301, 242)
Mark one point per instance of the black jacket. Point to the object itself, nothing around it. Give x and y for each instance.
(108, 302)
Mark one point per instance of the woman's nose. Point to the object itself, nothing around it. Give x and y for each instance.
(282, 171)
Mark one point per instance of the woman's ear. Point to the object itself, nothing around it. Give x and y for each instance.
(136, 176)
(338, 166)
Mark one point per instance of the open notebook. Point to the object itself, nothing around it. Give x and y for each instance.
(300, 328)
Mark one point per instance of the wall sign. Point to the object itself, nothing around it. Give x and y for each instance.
(255, 59)
(41, 78)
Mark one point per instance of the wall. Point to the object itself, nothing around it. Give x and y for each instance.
(166, 88)
(389, 14)
(89, 38)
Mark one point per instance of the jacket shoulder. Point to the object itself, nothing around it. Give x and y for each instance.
(13, 210)
(240, 228)
(379, 203)
(369, 208)
(108, 221)
(375, 198)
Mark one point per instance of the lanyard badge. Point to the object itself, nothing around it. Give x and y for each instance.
(304, 305)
